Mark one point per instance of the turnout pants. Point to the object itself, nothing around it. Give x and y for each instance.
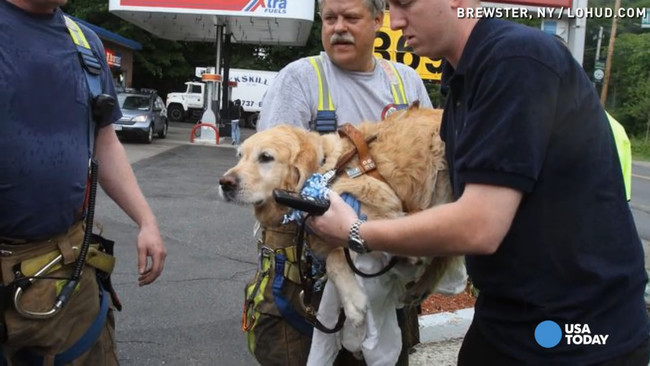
(38, 341)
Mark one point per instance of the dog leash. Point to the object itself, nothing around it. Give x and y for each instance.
(356, 206)
(307, 283)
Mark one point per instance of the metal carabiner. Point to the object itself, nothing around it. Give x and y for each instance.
(265, 252)
(308, 309)
(19, 293)
(247, 321)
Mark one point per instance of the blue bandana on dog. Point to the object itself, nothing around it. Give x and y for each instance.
(315, 186)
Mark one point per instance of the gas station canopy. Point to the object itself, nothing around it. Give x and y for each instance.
(268, 22)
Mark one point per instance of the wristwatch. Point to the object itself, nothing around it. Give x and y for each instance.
(355, 242)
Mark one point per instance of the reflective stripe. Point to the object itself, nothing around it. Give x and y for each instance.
(325, 102)
(324, 98)
(77, 35)
(624, 153)
(396, 83)
(92, 69)
(289, 252)
(255, 292)
(255, 296)
(326, 120)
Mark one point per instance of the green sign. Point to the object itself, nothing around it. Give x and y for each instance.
(599, 70)
(645, 21)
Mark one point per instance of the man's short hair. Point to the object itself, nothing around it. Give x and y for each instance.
(375, 6)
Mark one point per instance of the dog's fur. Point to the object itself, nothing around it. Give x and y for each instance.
(409, 155)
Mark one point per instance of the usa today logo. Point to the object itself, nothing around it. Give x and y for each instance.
(548, 334)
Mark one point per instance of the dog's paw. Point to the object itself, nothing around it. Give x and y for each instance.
(355, 306)
(352, 338)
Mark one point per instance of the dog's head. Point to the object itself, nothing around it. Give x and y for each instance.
(280, 157)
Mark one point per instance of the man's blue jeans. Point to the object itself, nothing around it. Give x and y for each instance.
(234, 131)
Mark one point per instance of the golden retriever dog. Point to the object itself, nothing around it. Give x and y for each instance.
(409, 154)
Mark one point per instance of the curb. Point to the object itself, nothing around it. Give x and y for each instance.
(445, 326)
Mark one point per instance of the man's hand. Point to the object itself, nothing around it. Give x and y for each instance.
(150, 245)
(334, 224)
(118, 181)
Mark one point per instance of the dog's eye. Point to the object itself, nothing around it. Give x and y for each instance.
(266, 157)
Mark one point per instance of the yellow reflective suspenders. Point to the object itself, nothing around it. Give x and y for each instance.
(75, 32)
(326, 114)
(324, 97)
(396, 84)
(92, 69)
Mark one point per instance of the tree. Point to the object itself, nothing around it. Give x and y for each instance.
(164, 65)
(632, 81)
(161, 64)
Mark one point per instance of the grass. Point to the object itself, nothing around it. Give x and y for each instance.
(640, 148)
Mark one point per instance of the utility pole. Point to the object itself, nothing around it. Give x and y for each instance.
(610, 53)
(598, 44)
(597, 64)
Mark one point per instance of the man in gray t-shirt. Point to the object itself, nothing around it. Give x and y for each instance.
(362, 88)
(359, 83)
(292, 97)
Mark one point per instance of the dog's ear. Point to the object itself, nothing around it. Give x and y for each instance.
(308, 157)
(415, 105)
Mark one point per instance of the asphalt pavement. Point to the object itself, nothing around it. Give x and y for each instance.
(191, 314)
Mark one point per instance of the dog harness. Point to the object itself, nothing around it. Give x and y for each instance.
(326, 120)
(276, 279)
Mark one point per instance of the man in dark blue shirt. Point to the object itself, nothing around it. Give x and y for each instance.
(540, 209)
(46, 141)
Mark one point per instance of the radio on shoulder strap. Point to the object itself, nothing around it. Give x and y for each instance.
(325, 120)
(102, 105)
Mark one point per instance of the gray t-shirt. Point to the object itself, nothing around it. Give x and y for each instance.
(292, 97)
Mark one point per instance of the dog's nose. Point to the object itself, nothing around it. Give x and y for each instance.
(229, 182)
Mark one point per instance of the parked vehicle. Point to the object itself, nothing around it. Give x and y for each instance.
(143, 115)
(250, 89)
(181, 105)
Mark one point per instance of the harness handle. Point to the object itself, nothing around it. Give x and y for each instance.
(368, 165)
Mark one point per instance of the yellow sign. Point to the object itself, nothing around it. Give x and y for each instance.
(391, 45)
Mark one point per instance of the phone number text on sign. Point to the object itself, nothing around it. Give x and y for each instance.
(391, 45)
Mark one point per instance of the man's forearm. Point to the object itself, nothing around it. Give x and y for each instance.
(475, 224)
(421, 235)
(117, 179)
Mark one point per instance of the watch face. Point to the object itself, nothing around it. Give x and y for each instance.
(356, 246)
